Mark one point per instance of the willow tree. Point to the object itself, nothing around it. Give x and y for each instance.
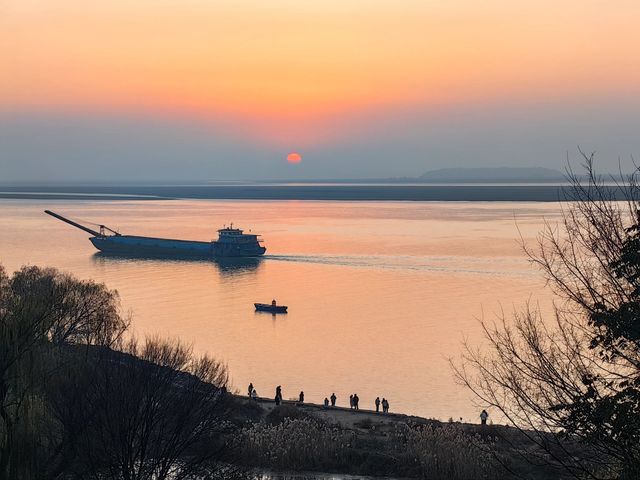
(40, 310)
(571, 383)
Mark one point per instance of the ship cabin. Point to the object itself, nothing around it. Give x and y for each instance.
(236, 236)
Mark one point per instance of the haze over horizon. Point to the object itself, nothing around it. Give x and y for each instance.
(133, 91)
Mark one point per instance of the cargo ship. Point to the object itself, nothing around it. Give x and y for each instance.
(231, 242)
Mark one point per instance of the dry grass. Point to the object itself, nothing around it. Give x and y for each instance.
(295, 444)
(444, 452)
(424, 451)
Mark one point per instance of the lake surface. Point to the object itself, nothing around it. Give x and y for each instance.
(380, 294)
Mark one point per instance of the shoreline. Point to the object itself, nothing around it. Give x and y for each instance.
(349, 418)
(421, 193)
(74, 196)
(378, 445)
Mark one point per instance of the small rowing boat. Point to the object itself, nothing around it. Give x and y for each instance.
(270, 307)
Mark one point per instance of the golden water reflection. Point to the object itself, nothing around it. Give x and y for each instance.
(380, 294)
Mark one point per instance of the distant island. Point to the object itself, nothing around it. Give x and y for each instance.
(452, 175)
(493, 174)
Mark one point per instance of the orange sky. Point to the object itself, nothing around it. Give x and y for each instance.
(286, 66)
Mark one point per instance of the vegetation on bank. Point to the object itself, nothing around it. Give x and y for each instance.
(399, 449)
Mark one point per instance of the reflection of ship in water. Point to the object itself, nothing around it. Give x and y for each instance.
(226, 266)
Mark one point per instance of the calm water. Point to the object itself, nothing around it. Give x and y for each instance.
(380, 294)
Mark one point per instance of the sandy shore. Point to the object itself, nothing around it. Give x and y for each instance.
(346, 417)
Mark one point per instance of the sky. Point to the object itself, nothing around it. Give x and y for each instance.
(115, 90)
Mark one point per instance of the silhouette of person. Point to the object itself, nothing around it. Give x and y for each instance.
(326, 402)
(377, 404)
(350, 401)
(356, 399)
(333, 399)
(273, 302)
(301, 397)
(384, 405)
(483, 417)
(278, 395)
(254, 395)
(250, 389)
(387, 407)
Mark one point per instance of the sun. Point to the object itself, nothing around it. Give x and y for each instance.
(294, 158)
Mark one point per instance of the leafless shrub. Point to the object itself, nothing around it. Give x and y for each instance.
(444, 452)
(295, 444)
(148, 412)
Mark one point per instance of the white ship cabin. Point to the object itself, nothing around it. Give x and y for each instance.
(228, 234)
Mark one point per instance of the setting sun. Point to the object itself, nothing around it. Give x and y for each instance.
(294, 157)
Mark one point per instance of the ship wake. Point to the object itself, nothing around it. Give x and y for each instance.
(506, 266)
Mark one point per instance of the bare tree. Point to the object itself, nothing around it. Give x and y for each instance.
(571, 384)
(151, 411)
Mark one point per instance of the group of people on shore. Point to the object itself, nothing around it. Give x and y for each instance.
(253, 394)
(354, 400)
(385, 405)
(333, 400)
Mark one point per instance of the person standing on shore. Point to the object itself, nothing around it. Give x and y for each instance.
(254, 395)
(356, 400)
(351, 401)
(377, 404)
(278, 395)
(326, 402)
(483, 417)
(333, 399)
(384, 405)
(250, 389)
(301, 397)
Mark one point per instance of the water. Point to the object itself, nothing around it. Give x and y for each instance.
(380, 294)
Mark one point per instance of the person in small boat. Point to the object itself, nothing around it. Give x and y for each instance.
(377, 404)
(250, 389)
(333, 399)
(301, 397)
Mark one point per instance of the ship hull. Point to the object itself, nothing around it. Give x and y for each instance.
(162, 247)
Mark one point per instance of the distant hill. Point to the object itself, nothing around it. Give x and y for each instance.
(494, 174)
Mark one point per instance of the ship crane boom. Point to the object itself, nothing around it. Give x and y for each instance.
(95, 233)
